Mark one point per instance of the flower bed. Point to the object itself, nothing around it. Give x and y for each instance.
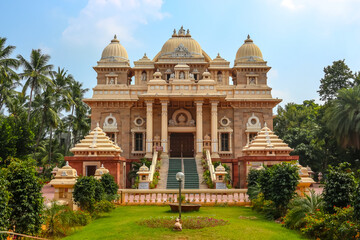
(187, 222)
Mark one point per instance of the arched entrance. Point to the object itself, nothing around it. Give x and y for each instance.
(181, 145)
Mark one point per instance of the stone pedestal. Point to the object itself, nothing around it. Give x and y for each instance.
(220, 177)
(144, 181)
(63, 183)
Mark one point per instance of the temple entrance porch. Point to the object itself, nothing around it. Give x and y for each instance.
(182, 145)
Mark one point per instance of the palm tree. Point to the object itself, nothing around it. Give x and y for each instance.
(78, 118)
(343, 117)
(45, 110)
(36, 72)
(300, 207)
(63, 100)
(9, 79)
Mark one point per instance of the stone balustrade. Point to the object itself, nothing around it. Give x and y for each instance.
(237, 197)
(153, 166)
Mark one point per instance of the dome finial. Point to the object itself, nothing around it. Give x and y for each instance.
(174, 33)
(248, 37)
(181, 31)
(115, 36)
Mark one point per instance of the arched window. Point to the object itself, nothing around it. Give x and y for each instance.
(219, 76)
(143, 76)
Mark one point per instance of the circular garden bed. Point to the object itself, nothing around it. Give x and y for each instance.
(187, 222)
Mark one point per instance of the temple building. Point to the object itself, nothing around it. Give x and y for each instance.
(186, 102)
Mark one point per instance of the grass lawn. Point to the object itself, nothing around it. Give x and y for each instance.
(121, 224)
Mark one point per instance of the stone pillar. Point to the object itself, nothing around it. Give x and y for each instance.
(149, 128)
(199, 129)
(214, 130)
(164, 128)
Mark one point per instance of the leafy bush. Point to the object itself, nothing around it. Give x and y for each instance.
(99, 191)
(60, 220)
(277, 184)
(253, 185)
(356, 203)
(84, 193)
(4, 204)
(26, 200)
(339, 186)
(325, 226)
(282, 185)
(110, 186)
(103, 206)
(299, 207)
(266, 207)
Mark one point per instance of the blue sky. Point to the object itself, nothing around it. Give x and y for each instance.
(298, 38)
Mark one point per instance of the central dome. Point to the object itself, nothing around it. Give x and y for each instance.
(181, 42)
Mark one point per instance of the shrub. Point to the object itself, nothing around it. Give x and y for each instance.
(267, 207)
(325, 226)
(26, 201)
(282, 185)
(110, 186)
(277, 184)
(104, 206)
(356, 203)
(339, 187)
(4, 204)
(99, 191)
(299, 207)
(60, 220)
(84, 193)
(253, 185)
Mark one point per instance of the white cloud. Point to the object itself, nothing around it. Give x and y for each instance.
(291, 5)
(99, 20)
(346, 10)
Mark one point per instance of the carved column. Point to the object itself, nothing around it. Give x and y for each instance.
(214, 130)
(149, 128)
(164, 128)
(199, 129)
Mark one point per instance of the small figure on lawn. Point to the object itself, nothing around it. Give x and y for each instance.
(177, 226)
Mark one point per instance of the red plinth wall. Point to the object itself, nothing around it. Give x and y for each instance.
(115, 165)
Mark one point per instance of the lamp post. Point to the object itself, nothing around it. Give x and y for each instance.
(180, 177)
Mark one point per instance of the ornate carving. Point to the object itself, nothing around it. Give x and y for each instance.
(181, 51)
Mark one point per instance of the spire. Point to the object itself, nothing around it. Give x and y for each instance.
(248, 39)
(115, 40)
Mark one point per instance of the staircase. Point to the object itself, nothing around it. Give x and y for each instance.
(175, 166)
(191, 174)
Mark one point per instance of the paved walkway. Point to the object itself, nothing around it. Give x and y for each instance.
(48, 193)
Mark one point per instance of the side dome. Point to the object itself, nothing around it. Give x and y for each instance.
(181, 43)
(114, 52)
(249, 52)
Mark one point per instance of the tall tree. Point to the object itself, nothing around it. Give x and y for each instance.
(337, 76)
(63, 100)
(8, 77)
(36, 72)
(343, 117)
(299, 126)
(45, 110)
